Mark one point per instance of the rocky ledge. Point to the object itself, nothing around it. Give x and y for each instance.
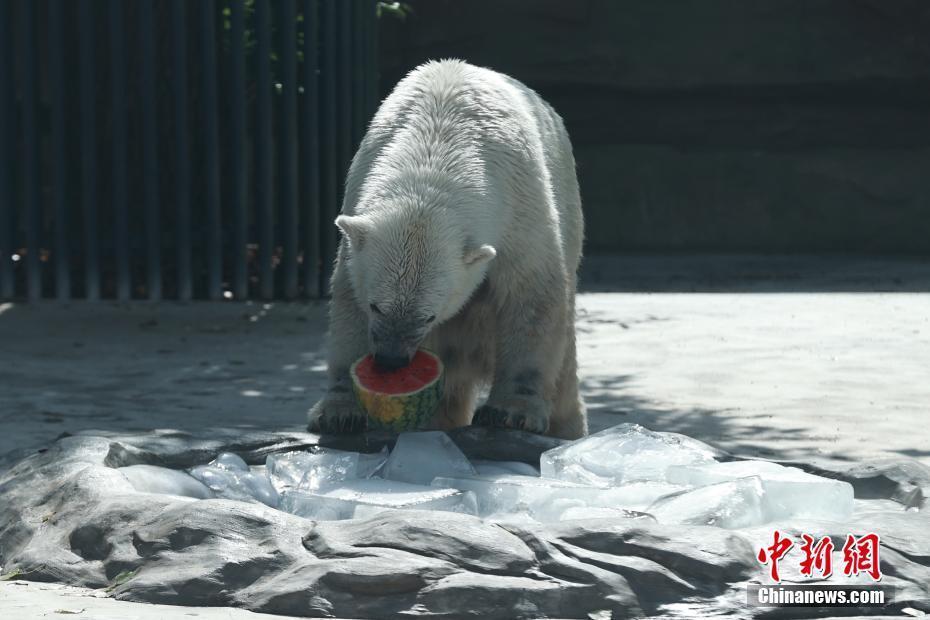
(68, 515)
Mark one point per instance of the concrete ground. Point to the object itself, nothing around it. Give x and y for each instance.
(779, 369)
(24, 600)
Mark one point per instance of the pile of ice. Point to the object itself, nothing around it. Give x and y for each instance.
(618, 472)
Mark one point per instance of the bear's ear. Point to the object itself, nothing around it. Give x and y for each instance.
(354, 227)
(479, 255)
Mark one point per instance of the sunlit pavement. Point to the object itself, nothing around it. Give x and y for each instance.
(769, 373)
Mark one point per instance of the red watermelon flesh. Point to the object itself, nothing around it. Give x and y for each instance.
(403, 399)
(422, 370)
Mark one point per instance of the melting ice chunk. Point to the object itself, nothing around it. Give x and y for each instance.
(623, 453)
(237, 484)
(638, 495)
(311, 470)
(596, 512)
(230, 461)
(314, 506)
(488, 468)
(620, 454)
(733, 504)
(544, 500)
(371, 464)
(789, 491)
(152, 479)
(421, 456)
(357, 498)
(394, 494)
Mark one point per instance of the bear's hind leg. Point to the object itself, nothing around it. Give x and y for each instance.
(569, 420)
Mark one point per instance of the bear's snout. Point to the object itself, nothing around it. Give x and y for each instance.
(391, 361)
(394, 342)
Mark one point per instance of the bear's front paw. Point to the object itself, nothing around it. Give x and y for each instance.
(336, 415)
(520, 413)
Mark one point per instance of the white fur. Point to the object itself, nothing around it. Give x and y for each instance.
(462, 204)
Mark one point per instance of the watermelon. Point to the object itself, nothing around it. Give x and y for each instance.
(399, 400)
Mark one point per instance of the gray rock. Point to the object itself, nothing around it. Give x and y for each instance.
(68, 515)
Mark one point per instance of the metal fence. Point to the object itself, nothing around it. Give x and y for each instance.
(178, 149)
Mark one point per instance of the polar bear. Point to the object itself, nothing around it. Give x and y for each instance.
(461, 232)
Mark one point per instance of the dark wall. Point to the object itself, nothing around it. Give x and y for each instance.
(717, 125)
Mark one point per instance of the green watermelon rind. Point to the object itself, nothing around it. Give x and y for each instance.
(418, 406)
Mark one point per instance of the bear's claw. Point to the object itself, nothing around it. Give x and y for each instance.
(489, 415)
(336, 417)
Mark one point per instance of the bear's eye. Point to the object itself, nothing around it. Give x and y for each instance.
(375, 309)
(431, 319)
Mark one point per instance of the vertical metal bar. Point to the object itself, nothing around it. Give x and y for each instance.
(329, 154)
(344, 81)
(182, 157)
(150, 152)
(118, 116)
(211, 152)
(264, 200)
(7, 142)
(310, 140)
(237, 138)
(89, 150)
(61, 253)
(374, 83)
(357, 70)
(364, 70)
(287, 141)
(31, 204)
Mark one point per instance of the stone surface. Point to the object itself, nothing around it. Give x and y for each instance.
(68, 515)
(638, 45)
(655, 197)
(716, 125)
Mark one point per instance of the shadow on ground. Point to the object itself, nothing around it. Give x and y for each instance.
(610, 401)
(104, 366)
(773, 375)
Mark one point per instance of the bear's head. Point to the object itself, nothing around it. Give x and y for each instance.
(410, 269)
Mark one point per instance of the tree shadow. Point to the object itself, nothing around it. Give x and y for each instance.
(131, 368)
(914, 453)
(610, 400)
(82, 366)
